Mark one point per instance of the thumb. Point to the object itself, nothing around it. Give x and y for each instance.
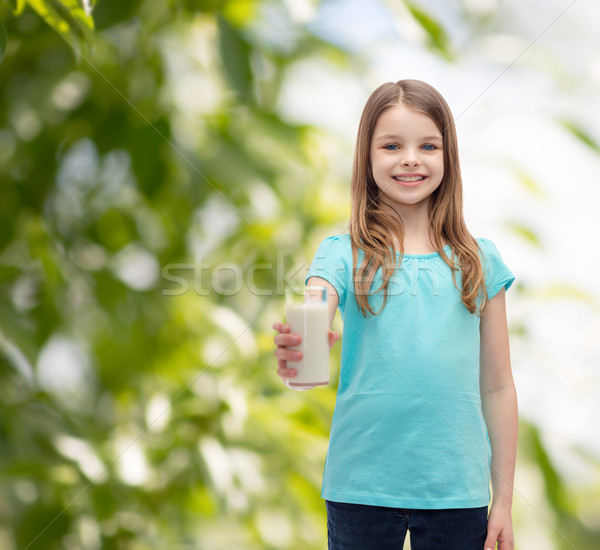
(492, 537)
(333, 337)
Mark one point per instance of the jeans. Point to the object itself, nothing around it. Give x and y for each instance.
(361, 527)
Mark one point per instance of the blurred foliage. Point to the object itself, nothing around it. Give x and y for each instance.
(581, 134)
(153, 205)
(139, 402)
(437, 38)
(564, 523)
(72, 18)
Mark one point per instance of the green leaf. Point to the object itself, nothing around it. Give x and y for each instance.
(17, 6)
(526, 232)
(2, 41)
(527, 181)
(235, 54)
(581, 134)
(563, 290)
(531, 185)
(438, 39)
(239, 12)
(69, 18)
(553, 483)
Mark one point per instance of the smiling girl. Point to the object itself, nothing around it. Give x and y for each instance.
(426, 409)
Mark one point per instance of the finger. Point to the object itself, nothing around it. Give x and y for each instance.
(281, 327)
(284, 371)
(492, 537)
(287, 373)
(506, 544)
(287, 339)
(333, 337)
(288, 354)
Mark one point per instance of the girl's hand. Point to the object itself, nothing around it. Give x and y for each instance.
(282, 353)
(284, 339)
(499, 529)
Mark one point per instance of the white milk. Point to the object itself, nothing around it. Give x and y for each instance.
(311, 321)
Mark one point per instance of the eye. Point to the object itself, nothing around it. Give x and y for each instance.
(391, 147)
(429, 147)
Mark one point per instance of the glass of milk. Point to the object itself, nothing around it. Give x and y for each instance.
(308, 316)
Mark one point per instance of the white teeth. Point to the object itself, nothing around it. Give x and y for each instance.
(413, 178)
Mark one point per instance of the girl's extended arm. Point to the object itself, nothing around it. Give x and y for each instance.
(499, 403)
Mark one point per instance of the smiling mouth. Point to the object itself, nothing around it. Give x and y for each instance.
(409, 179)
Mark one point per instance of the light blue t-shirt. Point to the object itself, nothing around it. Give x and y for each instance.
(408, 430)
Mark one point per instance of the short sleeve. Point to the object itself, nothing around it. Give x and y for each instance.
(333, 262)
(497, 274)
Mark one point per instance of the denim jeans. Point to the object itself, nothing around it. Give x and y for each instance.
(361, 527)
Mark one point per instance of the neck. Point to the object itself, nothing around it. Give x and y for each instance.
(418, 237)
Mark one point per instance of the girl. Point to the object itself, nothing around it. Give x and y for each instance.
(426, 406)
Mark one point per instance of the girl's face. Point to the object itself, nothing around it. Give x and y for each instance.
(407, 157)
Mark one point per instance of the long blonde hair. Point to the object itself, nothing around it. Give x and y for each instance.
(372, 227)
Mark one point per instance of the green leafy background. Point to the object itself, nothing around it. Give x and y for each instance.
(154, 203)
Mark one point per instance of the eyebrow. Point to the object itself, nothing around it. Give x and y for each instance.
(394, 136)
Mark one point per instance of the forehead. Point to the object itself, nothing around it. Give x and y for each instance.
(401, 121)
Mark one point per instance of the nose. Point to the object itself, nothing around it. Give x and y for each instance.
(411, 158)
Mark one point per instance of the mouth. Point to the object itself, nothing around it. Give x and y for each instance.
(409, 180)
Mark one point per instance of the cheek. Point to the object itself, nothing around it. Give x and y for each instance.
(386, 162)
